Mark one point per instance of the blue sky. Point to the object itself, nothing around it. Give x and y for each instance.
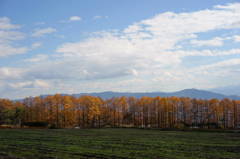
(72, 46)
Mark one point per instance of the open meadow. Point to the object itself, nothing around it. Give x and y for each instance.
(117, 143)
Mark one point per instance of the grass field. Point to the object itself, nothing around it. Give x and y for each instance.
(117, 143)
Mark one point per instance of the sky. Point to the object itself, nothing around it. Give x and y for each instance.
(72, 46)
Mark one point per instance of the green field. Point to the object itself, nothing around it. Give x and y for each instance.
(117, 143)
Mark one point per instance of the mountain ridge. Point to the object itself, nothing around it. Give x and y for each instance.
(191, 93)
(227, 90)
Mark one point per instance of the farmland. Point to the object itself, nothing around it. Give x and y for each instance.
(117, 143)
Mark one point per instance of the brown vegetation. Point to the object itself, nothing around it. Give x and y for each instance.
(87, 111)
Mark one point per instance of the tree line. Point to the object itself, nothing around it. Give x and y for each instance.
(60, 111)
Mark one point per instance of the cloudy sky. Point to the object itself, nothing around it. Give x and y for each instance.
(72, 46)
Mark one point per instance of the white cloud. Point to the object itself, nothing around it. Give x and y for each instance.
(41, 84)
(30, 84)
(7, 50)
(39, 23)
(213, 52)
(217, 74)
(7, 73)
(212, 42)
(147, 46)
(99, 17)
(230, 6)
(8, 37)
(192, 22)
(134, 72)
(43, 31)
(111, 57)
(148, 54)
(5, 24)
(37, 58)
(36, 45)
(75, 18)
(237, 38)
(221, 64)
(133, 29)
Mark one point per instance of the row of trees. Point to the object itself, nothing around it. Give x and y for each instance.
(88, 111)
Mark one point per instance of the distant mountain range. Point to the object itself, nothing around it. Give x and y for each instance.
(191, 93)
(228, 90)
